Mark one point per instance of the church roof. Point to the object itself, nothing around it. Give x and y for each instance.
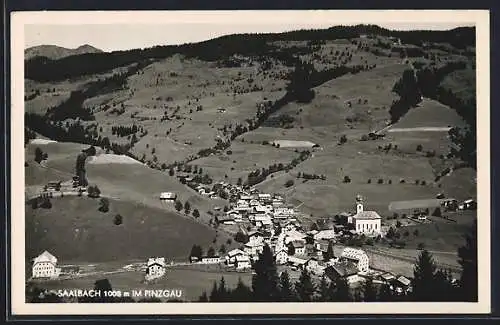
(367, 215)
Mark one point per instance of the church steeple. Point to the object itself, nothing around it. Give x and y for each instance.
(359, 204)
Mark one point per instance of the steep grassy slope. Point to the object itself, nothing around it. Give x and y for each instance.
(74, 230)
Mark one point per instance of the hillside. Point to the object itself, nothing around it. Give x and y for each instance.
(378, 106)
(54, 52)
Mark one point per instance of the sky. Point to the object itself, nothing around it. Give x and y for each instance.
(122, 34)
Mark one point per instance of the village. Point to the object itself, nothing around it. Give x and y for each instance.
(258, 219)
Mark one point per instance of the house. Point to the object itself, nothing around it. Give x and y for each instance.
(227, 220)
(193, 259)
(231, 256)
(254, 247)
(296, 262)
(324, 234)
(468, 205)
(45, 266)
(294, 235)
(366, 222)
(155, 268)
(168, 196)
(387, 277)
(54, 185)
(254, 202)
(299, 246)
(312, 265)
(281, 257)
(210, 260)
(358, 257)
(344, 269)
(401, 285)
(242, 262)
(255, 236)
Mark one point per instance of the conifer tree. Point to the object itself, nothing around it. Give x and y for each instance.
(424, 278)
(265, 280)
(342, 292)
(242, 293)
(329, 252)
(223, 293)
(286, 290)
(324, 293)
(203, 297)
(369, 291)
(214, 294)
(468, 260)
(305, 287)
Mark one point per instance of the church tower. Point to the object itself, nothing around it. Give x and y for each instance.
(359, 204)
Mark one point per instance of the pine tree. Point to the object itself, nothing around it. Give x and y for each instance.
(369, 291)
(265, 280)
(468, 260)
(203, 297)
(305, 287)
(242, 293)
(424, 278)
(324, 293)
(214, 294)
(385, 294)
(329, 252)
(443, 287)
(223, 293)
(286, 290)
(342, 291)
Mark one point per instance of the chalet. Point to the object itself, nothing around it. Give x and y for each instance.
(358, 257)
(242, 262)
(281, 257)
(210, 260)
(294, 235)
(231, 256)
(254, 247)
(468, 205)
(321, 246)
(45, 266)
(168, 196)
(324, 234)
(387, 278)
(54, 185)
(299, 246)
(344, 269)
(296, 262)
(155, 268)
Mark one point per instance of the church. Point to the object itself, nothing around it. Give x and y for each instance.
(365, 222)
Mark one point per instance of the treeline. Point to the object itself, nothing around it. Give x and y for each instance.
(73, 107)
(409, 95)
(123, 131)
(44, 69)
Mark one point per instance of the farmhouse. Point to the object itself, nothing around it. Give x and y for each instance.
(210, 260)
(299, 246)
(324, 234)
(358, 257)
(54, 185)
(346, 270)
(45, 266)
(296, 263)
(281, 257)
(231, 256)
(242, 262)
(168, 196)
(155, 268)
(365, 222)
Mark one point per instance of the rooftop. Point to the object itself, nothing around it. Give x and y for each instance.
(366, 215)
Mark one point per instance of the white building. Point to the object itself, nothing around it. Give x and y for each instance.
(242, 262)
(357, 256)
(254, 247)
(281, 257)
(299, 246)
(324, 234)
(168, 196)
(155, 268)
(45, 266)
(366, 222)
(231, 256)
(210, 260)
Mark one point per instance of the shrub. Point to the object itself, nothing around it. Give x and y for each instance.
(390, 181)
(417, 182)
(118, 220)
(104, 205)
(364, 137)
(415, 233)
(420, 246)
(178, 205)
(347, 179)
(46, 204)
(93, 191)
(398, 224)
(419, 148)
(343, 139)
(406, 233)
(423, 183)
(196, 213)
(380, 181)
(289, 183)
(369, 180)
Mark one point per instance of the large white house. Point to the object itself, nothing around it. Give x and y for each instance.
(357, 256)
(282, 257)
(45, 266)
(155, 268)
(242, 262)
(366, 222)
